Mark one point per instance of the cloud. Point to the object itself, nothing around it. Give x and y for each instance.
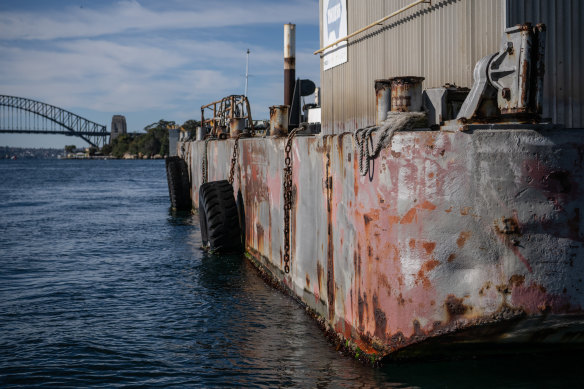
(134, 76)
(151, 60)
(124, 16)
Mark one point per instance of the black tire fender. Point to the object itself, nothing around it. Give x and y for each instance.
(219, 217)
(179, 188)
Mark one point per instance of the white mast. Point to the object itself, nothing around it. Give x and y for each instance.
(246, 71)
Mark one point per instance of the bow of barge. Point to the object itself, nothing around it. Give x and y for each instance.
(462, 231)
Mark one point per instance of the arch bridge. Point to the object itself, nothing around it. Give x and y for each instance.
(19, 115)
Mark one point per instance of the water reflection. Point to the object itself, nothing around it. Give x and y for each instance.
(109, 287)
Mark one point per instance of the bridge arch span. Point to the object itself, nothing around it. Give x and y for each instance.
(68, 123)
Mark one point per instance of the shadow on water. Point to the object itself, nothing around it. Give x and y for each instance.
(221, 271)
(241, 213)
(176, 217)
(524, 370)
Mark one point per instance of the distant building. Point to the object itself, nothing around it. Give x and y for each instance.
(118, 126)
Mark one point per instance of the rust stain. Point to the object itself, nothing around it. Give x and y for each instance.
(448, 210)
(535, 299)
(427, 205)
(451, 257)
(485, 287)
(260, 236)
(307, 281)
(383, 281)
(465, 210)
(426, 267)
(357, 259)
(343, 327)
(319, 273)
(508, 226)
(429, 247)
(412, 243)
(505, 229)
(426, 283)
(464, 235)
(429, 265)
(455, 306)
(409, 216)
(516, 280)
(430, 141)
(330, 285)
(380, 319)
(400, 300)
(361, 308)
(417, 328)
(330, 263)
(412, 214)
(367, 219)
(397, 340)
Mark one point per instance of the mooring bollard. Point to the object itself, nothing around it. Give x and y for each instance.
(382, 99)
(279, 120)
(201, 132)
(236, 126)
(406, 94)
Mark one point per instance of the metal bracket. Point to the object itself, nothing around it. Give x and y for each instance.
(479, 89)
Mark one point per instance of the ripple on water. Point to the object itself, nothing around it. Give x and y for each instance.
(101, 285)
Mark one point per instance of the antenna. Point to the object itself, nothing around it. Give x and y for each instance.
(246, 71)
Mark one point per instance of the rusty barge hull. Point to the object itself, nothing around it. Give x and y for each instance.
(476, 233)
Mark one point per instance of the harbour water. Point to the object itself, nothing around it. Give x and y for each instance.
(102, 285)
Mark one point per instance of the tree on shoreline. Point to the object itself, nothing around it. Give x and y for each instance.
(153, 141)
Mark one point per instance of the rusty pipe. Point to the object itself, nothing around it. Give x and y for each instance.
(289, 62)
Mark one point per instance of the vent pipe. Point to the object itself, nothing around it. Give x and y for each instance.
(289, 62)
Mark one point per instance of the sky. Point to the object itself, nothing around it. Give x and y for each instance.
(149, 59)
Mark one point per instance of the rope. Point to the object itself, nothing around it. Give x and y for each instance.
(396, 121)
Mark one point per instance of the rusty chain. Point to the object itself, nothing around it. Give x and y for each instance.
(288, 197)
(204, 162)
(234, 157)
(395, 121)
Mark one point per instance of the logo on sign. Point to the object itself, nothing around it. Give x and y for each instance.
(333, 18)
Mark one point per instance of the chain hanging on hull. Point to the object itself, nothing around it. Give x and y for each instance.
(288, 198)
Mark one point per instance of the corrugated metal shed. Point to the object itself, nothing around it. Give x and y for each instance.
(564, 84)
(442, 42)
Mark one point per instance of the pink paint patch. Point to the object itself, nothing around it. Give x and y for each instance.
(316, 294)
(535, 299)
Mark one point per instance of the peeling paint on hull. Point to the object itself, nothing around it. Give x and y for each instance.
(449, 232)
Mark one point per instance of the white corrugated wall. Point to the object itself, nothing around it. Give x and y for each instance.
(442, 42)
(563, 84)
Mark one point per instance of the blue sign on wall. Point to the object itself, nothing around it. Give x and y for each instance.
(334, 26)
